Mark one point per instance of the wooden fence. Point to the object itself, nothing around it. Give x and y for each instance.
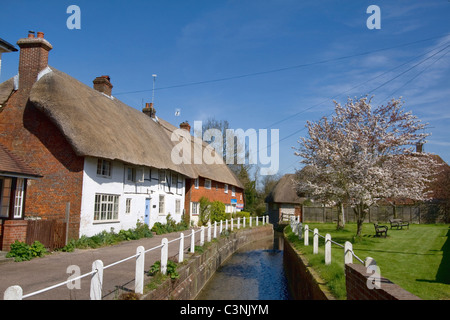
(51, 233)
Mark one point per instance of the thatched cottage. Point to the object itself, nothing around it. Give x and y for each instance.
(283, 203)
(110, 161)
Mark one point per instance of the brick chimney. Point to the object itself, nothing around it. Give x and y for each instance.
(149, 110)
(33, 58)
(185, 125)
(103, 84)
(419, 147)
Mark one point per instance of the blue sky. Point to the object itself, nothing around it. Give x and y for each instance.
(256, 63)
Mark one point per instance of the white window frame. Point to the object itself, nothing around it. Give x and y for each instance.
(106, 207)
(104, 168)
(161, 203)
(225, 188)
(177, 206)
(128, 206)
(18, 199)
(196, 183)
(195, 208)
(233, 191)
(208, 184)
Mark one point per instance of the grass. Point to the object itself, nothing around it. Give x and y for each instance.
(417, 259)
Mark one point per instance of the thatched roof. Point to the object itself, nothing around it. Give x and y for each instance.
(284, 191)
(100, 126)
(6, 88)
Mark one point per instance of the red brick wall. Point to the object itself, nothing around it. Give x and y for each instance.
(32, 136)
(357, 288)
(13, 230)
(194, 195)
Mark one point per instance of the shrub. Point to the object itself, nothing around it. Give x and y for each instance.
(21, 251)
(171, 269)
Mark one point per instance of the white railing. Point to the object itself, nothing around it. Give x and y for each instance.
(16, 292)
(297, 227)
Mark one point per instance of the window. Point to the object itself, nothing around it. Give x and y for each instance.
(5, 189)
(18, 201)
(196, 183)
(233, 191)
(104, 168)
(195, 208)
(217, 186)
(177, 206)
(173, 183)
(161, 204)
(226, 188)
(131, 174)
(128, 206)
(207, 184)
(180, 185)
(162, 176)
(228, 208)
(106, 207)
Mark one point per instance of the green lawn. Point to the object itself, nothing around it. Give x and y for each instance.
(417, 259)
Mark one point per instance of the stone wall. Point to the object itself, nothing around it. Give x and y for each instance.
(199, 268)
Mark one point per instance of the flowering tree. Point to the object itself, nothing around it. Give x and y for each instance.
(364, 154)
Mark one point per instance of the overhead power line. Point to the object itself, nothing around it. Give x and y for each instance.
(281, 69)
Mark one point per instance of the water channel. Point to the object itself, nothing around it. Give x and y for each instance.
(254, 272)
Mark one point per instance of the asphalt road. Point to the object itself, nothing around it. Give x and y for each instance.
(52, 269)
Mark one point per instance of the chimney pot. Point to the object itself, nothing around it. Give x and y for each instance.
(185, 125)
(30, 34)
(40, 35)
(149, 110)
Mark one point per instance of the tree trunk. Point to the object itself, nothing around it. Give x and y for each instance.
(360, 212)
(340, 217)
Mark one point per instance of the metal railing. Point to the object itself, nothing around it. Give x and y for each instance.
(16, 293)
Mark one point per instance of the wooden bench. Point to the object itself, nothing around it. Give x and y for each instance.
(399, 223)
(379, 230)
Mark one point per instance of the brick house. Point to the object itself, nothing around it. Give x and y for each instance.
(111, 162)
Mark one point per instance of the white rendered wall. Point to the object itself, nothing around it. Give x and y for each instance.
(137, 192)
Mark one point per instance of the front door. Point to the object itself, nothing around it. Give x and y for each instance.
(147, 212)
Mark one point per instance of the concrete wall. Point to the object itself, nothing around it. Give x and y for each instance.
(201, 267)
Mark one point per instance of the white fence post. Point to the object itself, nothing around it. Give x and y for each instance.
(202, 235)
(209, 232)
(164, 255)
(369, 261)
(192, 241)
(13, 293)
(243, 222)
(239, 223)
(251, 218)
(215, 230)
(327, 249)
(181, 249)
(348, 252)
(139, 276)
(257, 221)
(231, 224)
(97, 280)
(316, 241)
(220, 228)
(306, 235)
(226, 224)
